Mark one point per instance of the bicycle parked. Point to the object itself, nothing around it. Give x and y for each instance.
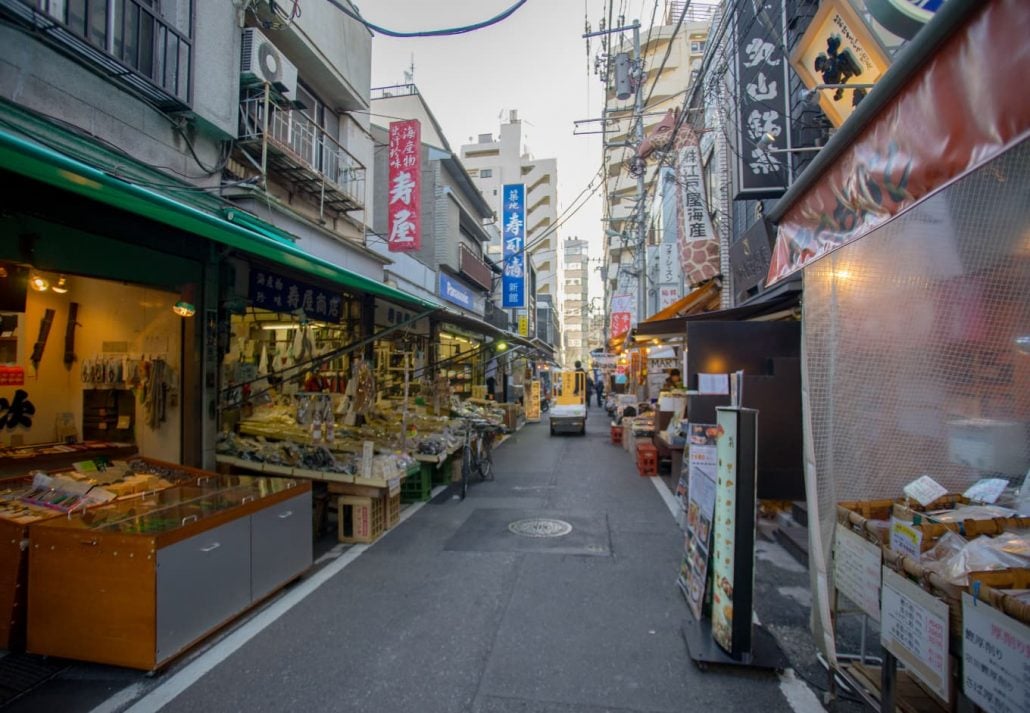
(477, 455)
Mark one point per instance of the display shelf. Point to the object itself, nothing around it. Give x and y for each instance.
(284, 471)
(56, 456)
(135, 583)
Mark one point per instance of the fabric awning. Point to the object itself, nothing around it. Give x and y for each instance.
(473, 324)
(782, 301)
(687, 304)
(30, 159)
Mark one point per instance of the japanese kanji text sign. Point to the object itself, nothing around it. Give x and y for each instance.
(513, 233)
(277, 293)
(698, 243)
(763, 100)
(404, 199)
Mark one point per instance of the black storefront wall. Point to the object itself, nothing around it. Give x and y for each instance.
(769, 354)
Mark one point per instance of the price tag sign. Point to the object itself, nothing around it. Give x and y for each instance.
(925, 490)
(856, 570)
(906, 539)
(395, 486)
(995, 652)
(914, 627)
(986, 490)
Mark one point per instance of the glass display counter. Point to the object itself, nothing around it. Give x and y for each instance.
(138, 581)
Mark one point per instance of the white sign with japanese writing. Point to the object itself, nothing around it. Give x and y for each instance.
(914, 627)
(995, 658)
(856, 570)
(906, 538)
(924, 490)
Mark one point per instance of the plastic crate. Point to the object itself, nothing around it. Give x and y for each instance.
(360, 519)
(616, 435)
(647, 459)
(417, 487)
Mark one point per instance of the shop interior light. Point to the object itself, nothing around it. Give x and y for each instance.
(39, 283)
(186, 306)
(62, 285)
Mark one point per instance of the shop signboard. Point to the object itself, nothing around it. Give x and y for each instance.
(914, 627)
(995, 654)
(838, 48)
(455, 292)
(764, 108)
(404, 202)
(523, 325)
(513, 234)
(898, 159)
(278, 293)
(533, 401)
(733, 566)
(702, 466)
(698, 243)
(623, 308)
(856, 569)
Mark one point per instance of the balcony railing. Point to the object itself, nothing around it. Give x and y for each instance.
(297, 150)
(127, 40)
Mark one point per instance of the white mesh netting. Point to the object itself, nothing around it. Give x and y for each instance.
(911, 332)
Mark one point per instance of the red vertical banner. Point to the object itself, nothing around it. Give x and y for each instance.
(403, 196)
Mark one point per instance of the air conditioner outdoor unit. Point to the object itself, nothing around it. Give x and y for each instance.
(261, 61)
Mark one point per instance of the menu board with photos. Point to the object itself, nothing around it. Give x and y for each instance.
(724, 545)
(700, 463)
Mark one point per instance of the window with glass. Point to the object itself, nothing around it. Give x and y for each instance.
(153, 38)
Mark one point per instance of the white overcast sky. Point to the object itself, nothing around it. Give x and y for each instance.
(535, 62)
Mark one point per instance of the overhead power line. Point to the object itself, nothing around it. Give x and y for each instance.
(445, 32)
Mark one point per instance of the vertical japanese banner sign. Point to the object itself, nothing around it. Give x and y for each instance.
(513, 228)
(698, 243)
(622, 314)
(763, 100)
(404, 200)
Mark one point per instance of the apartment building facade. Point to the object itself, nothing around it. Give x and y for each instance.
(671, 54)
(495, 161)
(575, 306)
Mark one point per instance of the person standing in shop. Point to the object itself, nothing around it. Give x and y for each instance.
(673, 381)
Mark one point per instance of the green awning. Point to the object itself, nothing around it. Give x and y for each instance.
(32, 160)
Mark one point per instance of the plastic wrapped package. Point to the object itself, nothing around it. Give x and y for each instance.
(954, 558)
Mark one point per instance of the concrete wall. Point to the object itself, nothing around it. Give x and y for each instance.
(40, 79)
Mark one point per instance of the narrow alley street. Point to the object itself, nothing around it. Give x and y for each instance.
(450, 611)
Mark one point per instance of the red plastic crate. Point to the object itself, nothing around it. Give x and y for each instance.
(647, 459)
(616, 435)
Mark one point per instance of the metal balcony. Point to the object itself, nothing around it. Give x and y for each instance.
(295, 149)
(128, 41)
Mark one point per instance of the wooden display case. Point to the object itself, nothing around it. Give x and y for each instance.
(137, 582)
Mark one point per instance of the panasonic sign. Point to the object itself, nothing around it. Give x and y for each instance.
(455, 292)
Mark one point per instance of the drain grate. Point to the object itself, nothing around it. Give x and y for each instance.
(20, 673)
(540, 527)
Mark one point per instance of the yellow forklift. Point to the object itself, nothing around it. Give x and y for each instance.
(568, 411)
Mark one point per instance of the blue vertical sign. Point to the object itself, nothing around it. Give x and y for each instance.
(513, 233)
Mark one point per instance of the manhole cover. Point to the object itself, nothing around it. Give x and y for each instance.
(540, 527)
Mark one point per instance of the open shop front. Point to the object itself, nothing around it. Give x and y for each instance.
(916, 372)
(102, 283)
(111, 314)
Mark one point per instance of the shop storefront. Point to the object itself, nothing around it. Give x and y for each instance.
(143, 324)
(916, 369)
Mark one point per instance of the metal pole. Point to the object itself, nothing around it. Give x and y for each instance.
(638, 111)
(264, 139)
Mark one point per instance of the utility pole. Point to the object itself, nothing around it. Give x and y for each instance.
(634, 74)
(638, 119)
